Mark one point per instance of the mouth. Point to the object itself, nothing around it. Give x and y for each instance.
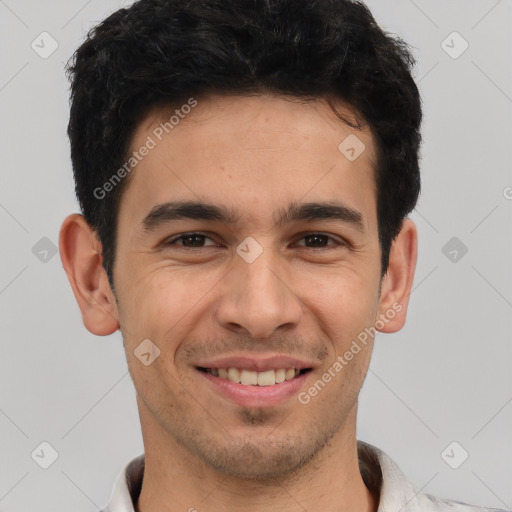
(249, 388)
(254, 378)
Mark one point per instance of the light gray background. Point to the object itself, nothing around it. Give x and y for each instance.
(445, 377)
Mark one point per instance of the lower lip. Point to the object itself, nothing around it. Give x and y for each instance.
(257, 396)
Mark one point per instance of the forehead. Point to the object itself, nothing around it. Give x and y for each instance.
(261, 151)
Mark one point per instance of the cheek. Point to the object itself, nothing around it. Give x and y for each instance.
(343, 304)
(164, 300)
(349, 288)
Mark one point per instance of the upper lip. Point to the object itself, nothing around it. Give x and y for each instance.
(256, 364)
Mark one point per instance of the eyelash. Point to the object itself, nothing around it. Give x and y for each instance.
(191, 234)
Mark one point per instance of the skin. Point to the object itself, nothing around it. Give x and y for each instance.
(254, 155)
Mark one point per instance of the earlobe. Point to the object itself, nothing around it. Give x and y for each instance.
(80, 253)
(397, 283)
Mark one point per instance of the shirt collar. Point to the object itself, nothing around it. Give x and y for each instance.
(127, 487)
(380, 474)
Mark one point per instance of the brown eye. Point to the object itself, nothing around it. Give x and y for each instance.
(319, 240)
(190, 240)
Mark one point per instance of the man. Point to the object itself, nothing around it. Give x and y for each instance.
(245, 170)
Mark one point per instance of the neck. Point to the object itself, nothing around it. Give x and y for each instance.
(176, 480)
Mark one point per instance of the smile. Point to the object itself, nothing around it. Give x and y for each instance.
(253, 378)
(249, 388)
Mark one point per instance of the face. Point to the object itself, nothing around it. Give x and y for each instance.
(258, 280)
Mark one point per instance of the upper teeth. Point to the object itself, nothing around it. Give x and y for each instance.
(247, 377)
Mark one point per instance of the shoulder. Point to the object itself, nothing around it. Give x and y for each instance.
(429, 503)
(383, 476)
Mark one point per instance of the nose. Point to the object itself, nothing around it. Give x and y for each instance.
(256, 298)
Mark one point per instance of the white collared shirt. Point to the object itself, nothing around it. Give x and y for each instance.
(379, 472)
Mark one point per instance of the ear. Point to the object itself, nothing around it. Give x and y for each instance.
(80, 253)
(397, 282)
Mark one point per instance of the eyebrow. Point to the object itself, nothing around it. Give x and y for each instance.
(296, 212)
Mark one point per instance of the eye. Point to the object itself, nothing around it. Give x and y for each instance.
(190, 240)
(319, 240)
(197, 241)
